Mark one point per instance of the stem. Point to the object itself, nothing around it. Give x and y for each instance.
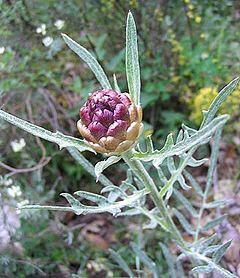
(139, 170)
(209, 179)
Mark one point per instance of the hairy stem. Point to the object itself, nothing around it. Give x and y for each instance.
(139, 170)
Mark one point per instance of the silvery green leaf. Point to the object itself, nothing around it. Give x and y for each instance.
(152, 224)
(122, 264)
(213, 223)
(182, 183)
(203, 243)
(183, 146)
(132, 63)
(116, 87)
(193, 183)
(221, 251)
(220, 98)
(98, 199)
(88, 58)
(180, 270)
(115, 189)
(161, 176)
(171, 165)
(202, 269)
(146, 260)
(102, 165)
(130, 212)
(192, 162)
(56, 137)
(217, 203)
(210, 249)
(179, 136)
(189, 130)
(184, 201)
(170, 261)
(184, 222)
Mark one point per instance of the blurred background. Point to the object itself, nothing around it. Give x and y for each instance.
(188, 51)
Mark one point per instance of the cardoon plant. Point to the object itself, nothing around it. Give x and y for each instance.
(110, 123)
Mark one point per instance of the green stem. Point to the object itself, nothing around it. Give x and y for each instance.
(209, 179)
(139, 170)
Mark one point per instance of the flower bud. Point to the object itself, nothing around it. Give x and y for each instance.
(110, 121)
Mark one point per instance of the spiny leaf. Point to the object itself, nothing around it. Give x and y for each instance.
(132, 63)
(56, 137)
(88, 58)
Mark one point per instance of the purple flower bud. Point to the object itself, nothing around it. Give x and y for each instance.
(110, 121)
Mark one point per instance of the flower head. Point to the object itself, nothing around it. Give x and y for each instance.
(110, 121)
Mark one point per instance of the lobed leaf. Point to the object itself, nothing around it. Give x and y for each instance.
(188, 142)
(184, 222)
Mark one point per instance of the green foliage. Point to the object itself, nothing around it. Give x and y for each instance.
(179, 52)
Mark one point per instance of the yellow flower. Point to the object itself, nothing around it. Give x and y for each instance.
(198, 19)
(204, 98)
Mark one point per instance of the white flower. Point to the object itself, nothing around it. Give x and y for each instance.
(17, 146)
(59, 23)
(8, 182)
(14, 191)
(41, 29)
(2, 49)
(23, 203)
(47, 41)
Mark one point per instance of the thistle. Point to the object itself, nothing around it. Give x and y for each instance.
(110, 121)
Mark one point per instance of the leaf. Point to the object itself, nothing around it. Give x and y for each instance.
(170, 261)
(221, 251)
(88, 58)
(192, 162)
(146, 260)
(211, 224)
(184, 222)
(116, 87)
(220, 98)
(184, 201)
(217, 203)
(132, 63)
(202, 269)
(183, 146)
(98, 199)
(203, 243)
(193, 183)
(120, 261)
(102, 165)
(62, 140)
